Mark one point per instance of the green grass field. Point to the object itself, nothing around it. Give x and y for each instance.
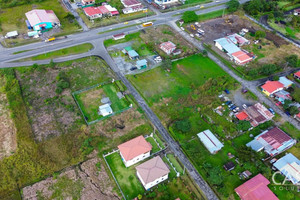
(90, 100)
(126, 177)
(154, 145)
(78, 49)
(175, 163)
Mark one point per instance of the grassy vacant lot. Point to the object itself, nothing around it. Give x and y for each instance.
(183, 99)
(39, 112)
(14, 18)
(130, 184)
(78, 49)
(155, 147)
(90, 100)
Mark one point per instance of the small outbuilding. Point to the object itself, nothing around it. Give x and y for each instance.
(141, 64)
(133, 55)
(11, 34)
(229, 166)
(105, 110)
(210, 141)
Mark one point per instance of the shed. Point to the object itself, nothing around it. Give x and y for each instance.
(210, 141)
(229, 166)
(133, 54)
(141, 64)
(286, 82)
(105, 110)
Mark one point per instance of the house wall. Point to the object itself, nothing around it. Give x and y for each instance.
(218, 46)
(163, 2)
(95, 16)
(136, 159)
(88, 2)
(153, 183)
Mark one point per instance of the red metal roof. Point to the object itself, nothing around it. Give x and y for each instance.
(272, 86)
(256, 189)
(242, 115)
(134, 148)
(242, 57)
(103, 9)
(297, 74)
(275, 137)
(130, 3)
(90, 11)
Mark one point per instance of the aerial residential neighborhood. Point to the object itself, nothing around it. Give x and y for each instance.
(150, 100)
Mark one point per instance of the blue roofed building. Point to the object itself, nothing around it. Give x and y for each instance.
(286, 82)
(133, 55)
(141, 64)
(289, 166)
(273, 142)
(227, 45)
(210, 141)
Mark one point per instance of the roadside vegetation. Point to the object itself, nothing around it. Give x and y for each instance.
(78, 49)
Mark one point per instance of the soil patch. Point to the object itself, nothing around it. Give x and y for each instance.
(92, 176)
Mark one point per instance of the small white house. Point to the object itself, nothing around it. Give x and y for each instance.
(105, 110)
(135, 150)
(210, 141)
(152, 172)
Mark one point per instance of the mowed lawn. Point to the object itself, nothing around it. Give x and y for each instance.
(154, 145)
(90, 100)
(78, 49)
(126, 177)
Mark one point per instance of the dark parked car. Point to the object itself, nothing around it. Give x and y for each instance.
(287, 113)
(272, 111)
(228, 102)
(226, 91)
(133, 68)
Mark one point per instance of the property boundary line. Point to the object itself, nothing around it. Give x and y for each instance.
(114, 176)
(92, 87)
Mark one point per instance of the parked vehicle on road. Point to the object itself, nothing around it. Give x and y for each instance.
(192, 35)
(133, 68)
(272, 111)
(226, 91)
(182, 28)
(147, 24)
(50, 39)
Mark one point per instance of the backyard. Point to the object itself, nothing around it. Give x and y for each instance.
(89, 100)
(131, 187)
(14, 19)
(183, 99)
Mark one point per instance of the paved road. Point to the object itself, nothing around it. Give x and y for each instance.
(76, 15)
(156, 122)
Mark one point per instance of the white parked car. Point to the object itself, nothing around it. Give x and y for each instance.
(192, 35)
(182, 28)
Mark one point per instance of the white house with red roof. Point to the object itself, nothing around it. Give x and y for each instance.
(152, 172)
(297, 75)
(273, 142)
(255, 114)
(135, 150)
(131, 6)
(87, 2)
(92, 12)
(100, 11)
(167, 47)
(270, 87)
(256, 189)
(241, 58)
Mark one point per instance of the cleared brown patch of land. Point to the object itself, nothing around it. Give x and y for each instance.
(94, 179)
(8, 143)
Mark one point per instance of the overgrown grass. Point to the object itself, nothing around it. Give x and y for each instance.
(78, 49)
(155, 147)
(175, 163)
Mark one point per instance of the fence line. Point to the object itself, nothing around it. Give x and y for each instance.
(92, 87)
(114, 177)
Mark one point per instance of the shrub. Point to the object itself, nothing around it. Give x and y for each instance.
(233, 5)
(292, 60)
(260, 34)
(183, 125)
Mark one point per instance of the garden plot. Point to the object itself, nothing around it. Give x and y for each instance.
(8, 143)
(47, 93)
(88, 180)
(102, 101)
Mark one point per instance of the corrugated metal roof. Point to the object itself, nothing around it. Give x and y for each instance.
(286, 82)
(210, 141)
(289, 165)
(133, 53)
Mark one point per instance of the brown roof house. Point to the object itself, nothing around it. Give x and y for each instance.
(134, 150)
(152, 172)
